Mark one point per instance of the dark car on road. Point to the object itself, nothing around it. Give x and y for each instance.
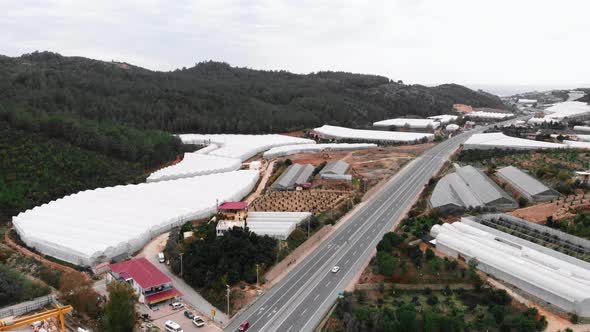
(189, 314)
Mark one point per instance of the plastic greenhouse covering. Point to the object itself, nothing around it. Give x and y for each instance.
(195, 164)
(410, 123)
(94, 226)
(336, 132)
(303, 148)
(242, 146)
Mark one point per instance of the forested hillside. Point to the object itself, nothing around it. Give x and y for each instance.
(214, 97)
(36, 169)
(71, 123)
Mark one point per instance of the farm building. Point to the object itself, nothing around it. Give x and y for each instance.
(400, 123)
(337, 167)
(552, 276)
(469, 188)
(293, 176)
(93, 226)
(526, 185)
(375, 136)
(151, 285)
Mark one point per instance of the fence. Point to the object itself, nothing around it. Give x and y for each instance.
(26, 307)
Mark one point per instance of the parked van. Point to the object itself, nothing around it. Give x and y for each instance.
(172, 326)
(161, 257)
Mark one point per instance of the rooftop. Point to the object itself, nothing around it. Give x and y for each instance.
(142, 271)
(335, 167)
(233, 206)
(523, 181)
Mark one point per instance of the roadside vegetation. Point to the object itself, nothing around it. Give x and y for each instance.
(16, 287)
(407, 287)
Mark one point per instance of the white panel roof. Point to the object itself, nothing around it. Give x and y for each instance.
(577, 145)
(194, 164)
(555, 276)
(444, 118)
(523, 180)
(582, 128)
(489, 115)
(411, 123)
(96, 225)
(242, 146)
(370, 135)
(559, 111)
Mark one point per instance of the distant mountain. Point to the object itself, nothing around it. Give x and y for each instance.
(215, 97)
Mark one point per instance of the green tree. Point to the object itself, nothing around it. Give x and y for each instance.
(386, 263)
(120, 309)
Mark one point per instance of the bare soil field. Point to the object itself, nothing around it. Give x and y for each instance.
(562, 208)
(314, 201)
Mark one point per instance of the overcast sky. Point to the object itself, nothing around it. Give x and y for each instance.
(531, 42)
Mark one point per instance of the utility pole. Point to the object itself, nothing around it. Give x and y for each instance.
(257, 282)
(181, 263)
(227, 300)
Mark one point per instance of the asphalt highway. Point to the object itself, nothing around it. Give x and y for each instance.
(302, 298)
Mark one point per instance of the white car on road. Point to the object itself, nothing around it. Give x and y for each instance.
(335, 269)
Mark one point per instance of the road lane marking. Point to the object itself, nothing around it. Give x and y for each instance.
(303, 312)
(316, 297)
(328, 283)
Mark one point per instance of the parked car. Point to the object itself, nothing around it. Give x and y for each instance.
(176, 305)
(161, 257)
(189, 314)
(172, 326)
(198, 321)
(244, 326)
(335, 269)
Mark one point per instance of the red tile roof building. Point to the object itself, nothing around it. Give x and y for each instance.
(148, 281)
(234, 206)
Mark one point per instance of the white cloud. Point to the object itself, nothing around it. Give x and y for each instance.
(426, 41)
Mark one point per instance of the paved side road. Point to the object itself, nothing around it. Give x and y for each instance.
(301, 299)
(190, 296)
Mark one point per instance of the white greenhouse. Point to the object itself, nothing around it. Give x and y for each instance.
(378, 136)
(542, 272)
(480, 115)
(94, 226)
(241, 146)
(501, 141)
(408, 123)
(287, 150)
(444, 118)
(278, 225)
(195, 164)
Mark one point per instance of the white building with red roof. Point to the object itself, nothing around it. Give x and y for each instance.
(151, 285)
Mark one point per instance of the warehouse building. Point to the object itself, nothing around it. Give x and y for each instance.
(336, 167)
(295, 175)
(526, 185)
(469, 188)
(336, 170)
(542, 272)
